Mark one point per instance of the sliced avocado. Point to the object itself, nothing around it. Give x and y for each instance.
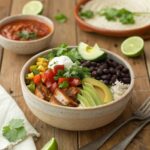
(90, 89)
(108, 95)
(88, 97)
(90, 53)
(83, 101)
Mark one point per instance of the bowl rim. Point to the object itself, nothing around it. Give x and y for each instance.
(48, 22)
(111, 32)
(28, 63)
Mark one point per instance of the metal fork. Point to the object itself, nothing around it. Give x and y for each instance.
(124, 143)
(142, 113)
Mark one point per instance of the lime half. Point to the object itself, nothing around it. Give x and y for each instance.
(51, 145)
(33, 8)
(132, 46)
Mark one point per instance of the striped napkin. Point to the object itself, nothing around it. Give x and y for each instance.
(10, 110)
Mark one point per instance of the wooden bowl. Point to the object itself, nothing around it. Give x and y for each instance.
(75, 118)
(108, 31)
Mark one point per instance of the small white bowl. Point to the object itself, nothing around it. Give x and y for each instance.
(26, 47)
(70, 118)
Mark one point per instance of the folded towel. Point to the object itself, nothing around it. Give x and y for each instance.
(10, 110)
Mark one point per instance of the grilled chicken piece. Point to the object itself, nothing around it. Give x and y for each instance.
(72, 92)
(54, 101)
(64, 99)
(42, 92)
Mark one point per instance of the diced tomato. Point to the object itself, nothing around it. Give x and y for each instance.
(48, 76)
(60, 80)
(37, 79)
(58, 67)
(48, 84)
(75, 82)
(53, 87)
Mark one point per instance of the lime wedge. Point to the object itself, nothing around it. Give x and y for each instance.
(132, 46)
(33, 8)
(51, 145)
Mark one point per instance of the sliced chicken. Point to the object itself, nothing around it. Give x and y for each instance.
(54, 101)
(64, 99)
(72, 91)
(42, 92)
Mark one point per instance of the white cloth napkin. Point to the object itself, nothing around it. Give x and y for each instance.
(10, 110)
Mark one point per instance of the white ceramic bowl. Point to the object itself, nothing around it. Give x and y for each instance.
(75, 118)
(26, 47)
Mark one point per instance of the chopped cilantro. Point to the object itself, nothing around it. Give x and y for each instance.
(15, 130)
(61, 18)
(123, 15)
(64, 84)
(25, 35)
(86, 14)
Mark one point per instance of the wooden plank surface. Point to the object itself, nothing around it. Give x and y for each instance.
(71, 34)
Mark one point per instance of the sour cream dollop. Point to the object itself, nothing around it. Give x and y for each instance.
(61, 60)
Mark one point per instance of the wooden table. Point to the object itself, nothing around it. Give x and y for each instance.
(11, 64)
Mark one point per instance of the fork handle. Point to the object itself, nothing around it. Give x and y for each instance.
(123, 144)
(100, 141)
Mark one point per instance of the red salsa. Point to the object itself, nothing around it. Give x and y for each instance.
(25, 30)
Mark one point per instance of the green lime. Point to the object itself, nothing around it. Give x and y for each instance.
(132, 46)
(51, 145)
(33, 8)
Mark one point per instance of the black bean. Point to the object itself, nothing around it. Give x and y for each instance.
(98, 78)
(125, 70)
(118, 73)
(119, 67)
(106, 82)
(99, 71)
(105, 70)
(112, 70)
(113, 78)
(104, 77)
(94, 73)
(126, 80)
(114, 64)
(122, 74)
(93, 63)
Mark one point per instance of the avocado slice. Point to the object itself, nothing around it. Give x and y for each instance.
(83, 101)
(90, 53)
(92, 91)
(88, 97)
(108, 97)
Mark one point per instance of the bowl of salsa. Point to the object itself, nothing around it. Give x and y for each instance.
(25, 34)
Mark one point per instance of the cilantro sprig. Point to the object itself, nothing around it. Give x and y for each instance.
(61, 18)
(122, 15)
(25, 35)
(15, 130)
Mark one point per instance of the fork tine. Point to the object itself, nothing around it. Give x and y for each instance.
(146, 108)
(144, 104)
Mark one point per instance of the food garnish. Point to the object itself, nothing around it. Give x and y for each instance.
(61, 18)
(132, 46)
(122, 15)
(15, 130)
(33, 8)
(86, 14)
(76, 76)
